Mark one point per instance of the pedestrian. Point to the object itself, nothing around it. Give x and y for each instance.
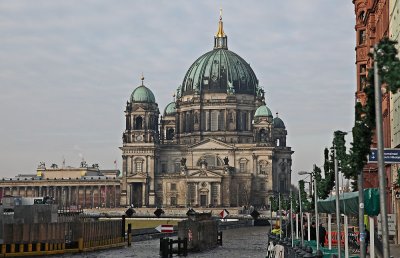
(313, 231)
(322, 234)
(366, 238)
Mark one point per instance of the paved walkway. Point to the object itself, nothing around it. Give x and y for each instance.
(245, 242)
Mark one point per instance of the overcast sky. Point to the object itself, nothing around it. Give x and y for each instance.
(67, 69)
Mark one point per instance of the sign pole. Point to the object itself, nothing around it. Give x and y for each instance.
(381, 163)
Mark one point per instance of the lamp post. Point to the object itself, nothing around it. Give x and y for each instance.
(301, 220)
(381, 163)
(315, 202)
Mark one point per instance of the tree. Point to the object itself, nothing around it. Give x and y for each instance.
(351, 164)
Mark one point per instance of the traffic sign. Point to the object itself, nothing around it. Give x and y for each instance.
(165, 228)
(391, 220)
(223, 214)
(390, 156)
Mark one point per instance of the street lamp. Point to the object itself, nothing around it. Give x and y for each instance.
(315, 202)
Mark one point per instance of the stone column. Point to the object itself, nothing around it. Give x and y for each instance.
(99, 191)
(209, 193)
(144, 197)
(25, 191)
(105, 195)
(196, 199)
(91, 197)
(115, 196)
(69, 195)
(84, 197)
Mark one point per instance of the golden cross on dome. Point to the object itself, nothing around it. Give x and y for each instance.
(142, 78)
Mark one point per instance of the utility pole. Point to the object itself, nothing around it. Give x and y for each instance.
(280, 217)
(337, 203)
(291, 216)
(301, 220)
(315, 205)
(381, 163)
(361, 215)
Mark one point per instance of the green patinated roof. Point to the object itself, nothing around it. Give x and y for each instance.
(142, 94)
(278, 123)
(215, 70)
(263, 111)
(170, 109)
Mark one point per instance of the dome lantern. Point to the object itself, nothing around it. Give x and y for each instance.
(220, 39)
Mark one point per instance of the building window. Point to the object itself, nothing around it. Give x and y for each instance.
(363, 68)
(244, 121)
(139, 166)
(282, 185)
(173, 200)
(159, 187)
(363, 81)
(163, 168)
(177, 167)
(214, 120)
(170, 133)
(242, 167)
(138, 123)
(173, 187)
(361, 38)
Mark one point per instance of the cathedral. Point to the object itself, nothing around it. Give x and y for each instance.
(216, 145)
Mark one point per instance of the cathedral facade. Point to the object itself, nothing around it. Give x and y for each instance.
(216, 144)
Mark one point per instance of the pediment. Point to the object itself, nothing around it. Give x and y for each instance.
(138, 108)
(205, 173)
(137, 176)
(211, 144)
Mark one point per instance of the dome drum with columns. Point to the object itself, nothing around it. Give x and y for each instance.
(216, 144)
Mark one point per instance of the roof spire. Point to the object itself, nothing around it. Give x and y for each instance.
(220, 39)
(220, 32)
(142, 78)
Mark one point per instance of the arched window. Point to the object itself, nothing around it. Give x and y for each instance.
(263, 136)
(282, 183)
(138, 123)
(244, 121)
(170, 133)
(139, 165)
(188, 123)
(214, 120)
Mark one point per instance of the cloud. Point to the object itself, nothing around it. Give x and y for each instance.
(68, 68)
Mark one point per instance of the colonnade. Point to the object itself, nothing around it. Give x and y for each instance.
(81, 196)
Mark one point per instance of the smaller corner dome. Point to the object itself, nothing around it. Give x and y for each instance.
(278, 123)
(170, 109)
(143, 94)
(263, 111)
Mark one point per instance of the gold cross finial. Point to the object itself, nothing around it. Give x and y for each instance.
(142, 78)
(220, 14)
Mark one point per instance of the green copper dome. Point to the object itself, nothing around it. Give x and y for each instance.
(143, 94)
(278, 123)
(263, 111)
(170, 109)
(219, 71)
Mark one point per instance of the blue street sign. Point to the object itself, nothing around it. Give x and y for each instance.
(390, 156)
